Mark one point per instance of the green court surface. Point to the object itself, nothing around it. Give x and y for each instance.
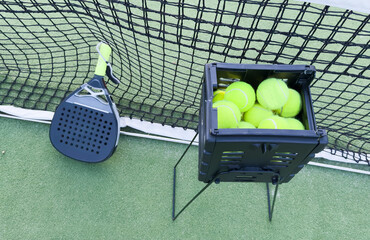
(45, 195)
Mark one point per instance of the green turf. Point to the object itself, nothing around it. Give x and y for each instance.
(45, 195)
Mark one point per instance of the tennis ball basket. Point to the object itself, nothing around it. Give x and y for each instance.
(256, 155)
(271, 156)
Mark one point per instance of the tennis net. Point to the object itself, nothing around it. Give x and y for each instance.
(160, 49)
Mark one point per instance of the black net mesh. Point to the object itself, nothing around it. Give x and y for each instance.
(160, 48)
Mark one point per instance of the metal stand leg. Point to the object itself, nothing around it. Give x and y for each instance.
(275, 181)
(174, 215)
(271, 208)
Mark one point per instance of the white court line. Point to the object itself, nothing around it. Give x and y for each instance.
(162, 133)
(339, 168)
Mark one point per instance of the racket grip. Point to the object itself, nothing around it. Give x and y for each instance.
(101, 66)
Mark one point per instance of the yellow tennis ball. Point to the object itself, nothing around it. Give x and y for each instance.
(273, 122)
(243, 124)
(294, 124)
(242, 94)
(293, 106)
(272, 93)
(228, 74)
(218, 95)
(228, 114)
(256, 114)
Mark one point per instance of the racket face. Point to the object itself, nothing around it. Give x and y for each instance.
(84, 126)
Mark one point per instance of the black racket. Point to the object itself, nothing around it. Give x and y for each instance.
(86, 125)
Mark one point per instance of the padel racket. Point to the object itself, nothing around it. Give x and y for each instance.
(85, 125)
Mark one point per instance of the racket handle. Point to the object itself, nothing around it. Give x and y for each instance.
(101, 66)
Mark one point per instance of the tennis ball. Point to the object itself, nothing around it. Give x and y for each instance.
(228, 114)
(229, 74)
(256, 114)
(273, 122)
(234, 75)
(272, 93)
(293, 106)
(242, 94)
(218, 95)
(243, 124)
(294, 124)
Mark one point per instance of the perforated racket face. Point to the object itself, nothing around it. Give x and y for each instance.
(83, 132)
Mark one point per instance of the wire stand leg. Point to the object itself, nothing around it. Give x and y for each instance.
(271, 208)
(174, 215)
